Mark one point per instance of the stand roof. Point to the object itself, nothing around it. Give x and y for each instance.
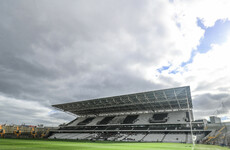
(159, 100)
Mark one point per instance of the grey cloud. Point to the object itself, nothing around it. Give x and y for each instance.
(211, 104)
(54, 54)
(61, 115)
(62, 51)
(209, 101)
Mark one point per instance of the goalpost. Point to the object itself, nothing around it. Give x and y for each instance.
(190, 123)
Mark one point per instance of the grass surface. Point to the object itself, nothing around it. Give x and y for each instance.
(21, 144)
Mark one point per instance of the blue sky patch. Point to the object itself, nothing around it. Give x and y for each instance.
(216, 34)
(163, 68)
(173, 72)
(224, 118)
(213, 35)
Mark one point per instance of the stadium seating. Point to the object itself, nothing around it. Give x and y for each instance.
(200, 136)
(59, 136)
(105, 120)
(72, 121)
(76, 121)
(113, 137)
(176, 117)
(95, 121)
(117, 120)
(79, 136)
(173, 117)
(153, 137)
(159, 118)
(134, 137)
(86, 121)
(149, 127)
(175, 138)
(143, 118)
(130, 119)
(121, 136)
(137, 137)
(169, 118)
(92, 136)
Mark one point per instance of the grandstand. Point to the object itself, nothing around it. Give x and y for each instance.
(153, 116)
(23, 131)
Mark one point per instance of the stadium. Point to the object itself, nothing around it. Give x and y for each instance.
(153, 117)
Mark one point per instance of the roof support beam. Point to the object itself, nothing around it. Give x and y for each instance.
(163, 108)
(149, 101)
(176, 98)
(167, 100)
(139, 101)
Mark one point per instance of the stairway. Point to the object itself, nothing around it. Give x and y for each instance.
(213, 135)
(186, 138)
(163, 137)
(144, 137)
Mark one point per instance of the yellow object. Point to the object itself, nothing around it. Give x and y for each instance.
(2, 131)
(33, 132)
(17, 131)
(45, 133)
(219, 133)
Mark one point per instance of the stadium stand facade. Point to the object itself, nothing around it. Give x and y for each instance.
(153, 116)
(24, 131)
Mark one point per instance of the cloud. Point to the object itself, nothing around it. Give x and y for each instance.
(64, 51)
(18, 111)
(208, 76)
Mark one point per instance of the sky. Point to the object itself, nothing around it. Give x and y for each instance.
(61, 51)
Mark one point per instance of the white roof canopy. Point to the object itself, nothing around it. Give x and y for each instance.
(167, 99)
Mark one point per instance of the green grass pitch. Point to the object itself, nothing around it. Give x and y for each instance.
(22, 144)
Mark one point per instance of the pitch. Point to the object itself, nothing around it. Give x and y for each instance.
(22, 144)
